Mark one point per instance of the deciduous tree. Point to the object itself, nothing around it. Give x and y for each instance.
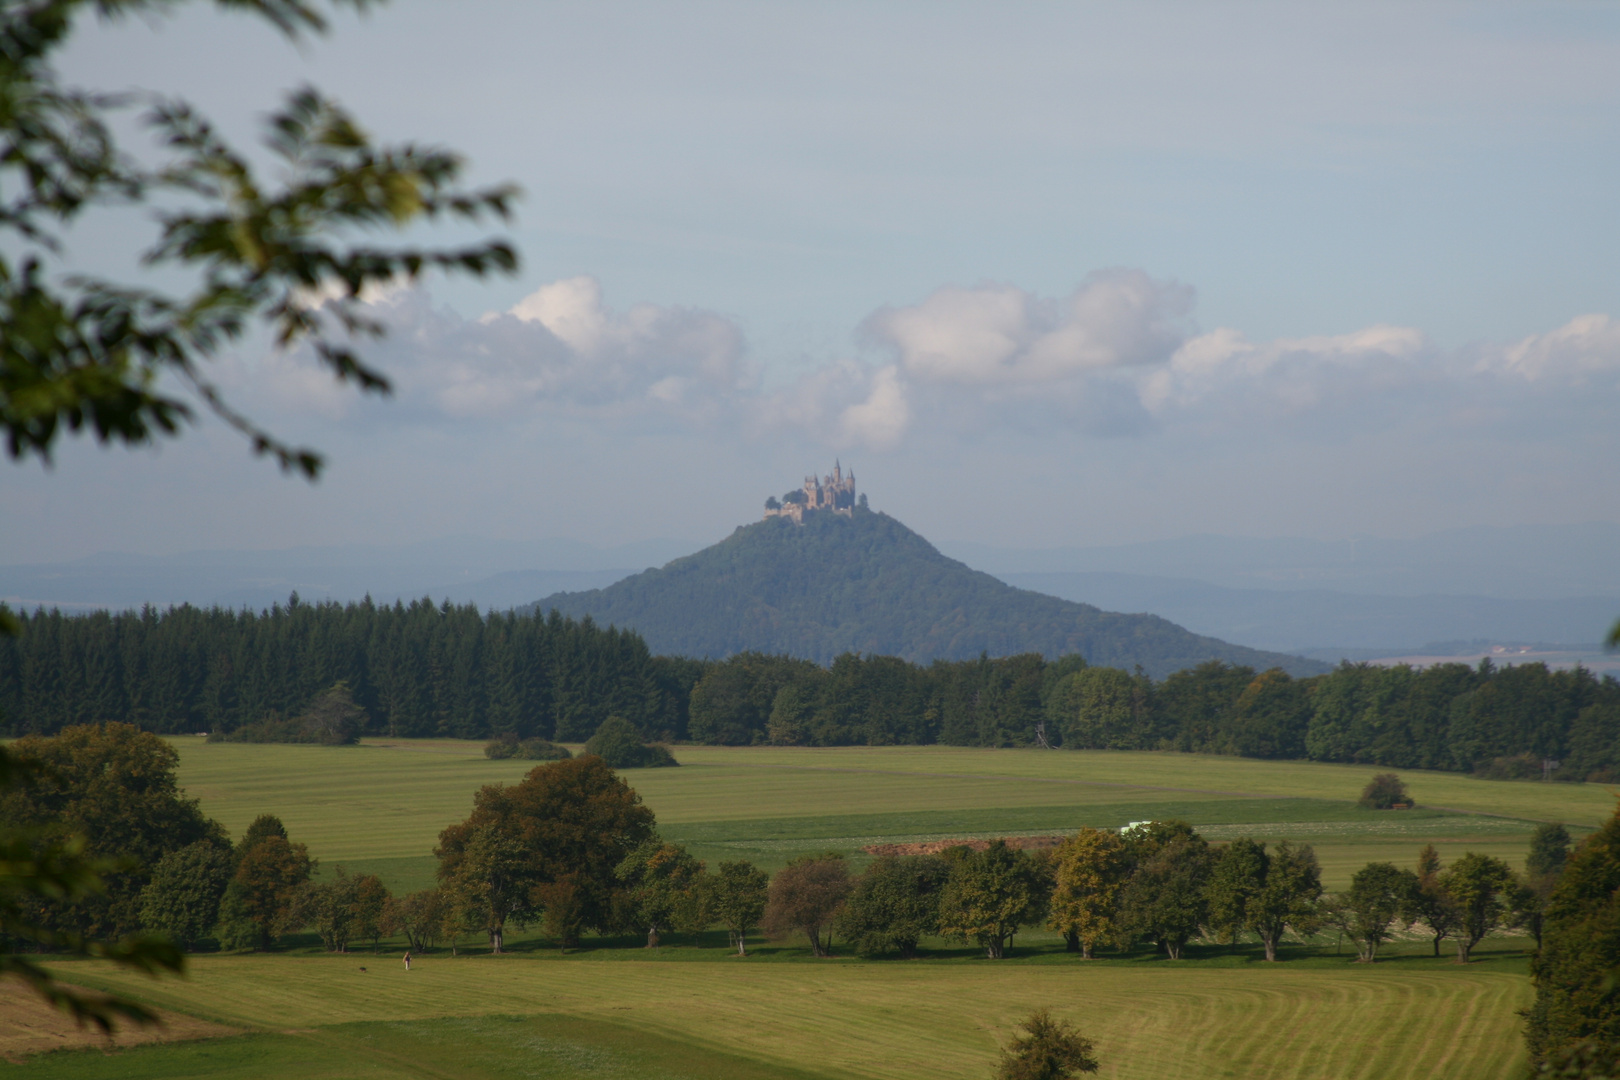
(618, 743)
(988, 895)
(1384, 791)
(569, 821)
(1236, 880)
(737, 896)
(420, 916)
(1167, 892)
(1266, 893)
(114, 787)
(127, 362)
(665, 886)
(1367, 912)
(1478, 886)
(804, 898)
(1090, 870)
(489, 877)
(35, 870)
(894, 904)
(182, 899)
(259, 899)
(1549, 850)
(1049, 1049)
(1430, 903)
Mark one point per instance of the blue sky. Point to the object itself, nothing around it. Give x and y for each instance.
(1122, 271)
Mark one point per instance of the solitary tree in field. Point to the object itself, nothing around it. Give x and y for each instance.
(618, 743)
(1091, 868)
(804, 897)
(1049, 1049)
(1384, 791)
(1478, 886)
(737, 896)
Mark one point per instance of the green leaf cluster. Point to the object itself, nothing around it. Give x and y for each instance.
(128, 363)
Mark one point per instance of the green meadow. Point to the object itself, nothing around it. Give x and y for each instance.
(613, 1013)
(692, 1010)
(378, 807)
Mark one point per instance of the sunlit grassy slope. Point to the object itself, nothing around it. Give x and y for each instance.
(689, 1011)
(879, 1020)
(380, 806)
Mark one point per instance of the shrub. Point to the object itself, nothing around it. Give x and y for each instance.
(1384, 791)
(1051, 1050)
(618, 743)
(333, 719)
(531, 749)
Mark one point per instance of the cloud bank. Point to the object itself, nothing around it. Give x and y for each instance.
(1120, 356)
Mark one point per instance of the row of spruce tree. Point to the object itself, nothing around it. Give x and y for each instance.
(424, 670)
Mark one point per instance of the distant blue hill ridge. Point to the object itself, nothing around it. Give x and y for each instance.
(867, 584)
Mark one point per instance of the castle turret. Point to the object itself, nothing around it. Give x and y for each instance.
(835, 492)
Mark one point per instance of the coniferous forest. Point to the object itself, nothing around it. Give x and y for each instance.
(423, 671)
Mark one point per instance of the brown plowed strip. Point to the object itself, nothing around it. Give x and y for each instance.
(29, 1026)
(934, 847)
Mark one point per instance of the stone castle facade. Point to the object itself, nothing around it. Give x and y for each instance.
(834, 493)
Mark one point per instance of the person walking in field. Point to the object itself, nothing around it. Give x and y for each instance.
(407, 960)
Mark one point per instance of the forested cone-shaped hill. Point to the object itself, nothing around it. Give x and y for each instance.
(867, 584)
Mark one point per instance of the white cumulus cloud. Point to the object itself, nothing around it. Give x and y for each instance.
(1589, 343)
(1002, 334)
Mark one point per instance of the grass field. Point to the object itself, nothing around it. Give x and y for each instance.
(379, 807)
(690, 1010)
(324, 1017)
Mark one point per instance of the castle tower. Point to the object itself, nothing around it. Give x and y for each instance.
(834, 492)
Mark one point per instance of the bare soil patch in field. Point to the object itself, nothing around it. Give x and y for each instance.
(934, 847)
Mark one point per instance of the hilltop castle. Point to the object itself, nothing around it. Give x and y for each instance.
(835, 493)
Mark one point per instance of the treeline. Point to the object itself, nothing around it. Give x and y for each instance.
(415, 670)
(571, 848)
(1505, 722)
(426, 670)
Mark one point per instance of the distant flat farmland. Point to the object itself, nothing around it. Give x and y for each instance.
(380, 806)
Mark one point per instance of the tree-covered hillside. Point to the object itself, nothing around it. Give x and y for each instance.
(868, 584)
